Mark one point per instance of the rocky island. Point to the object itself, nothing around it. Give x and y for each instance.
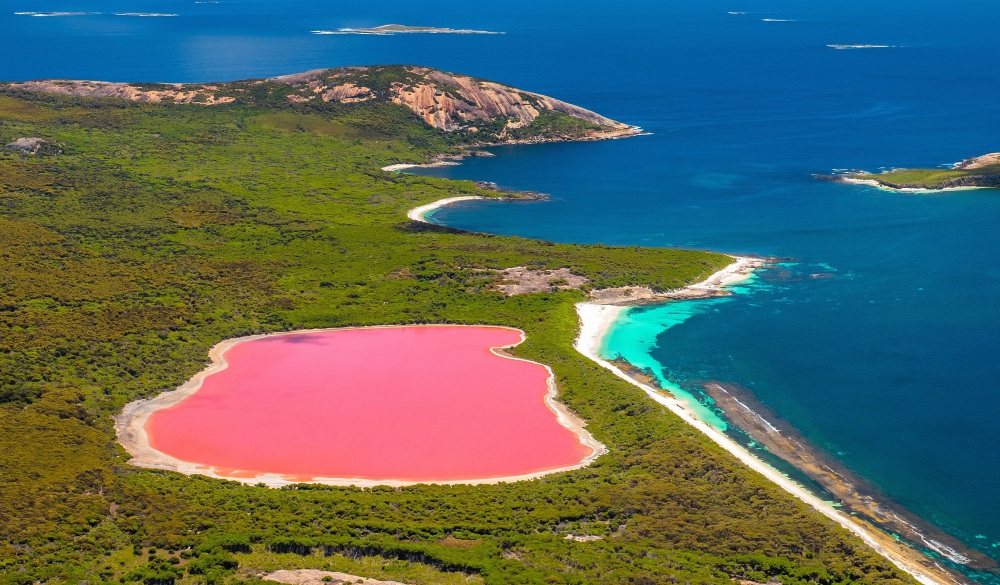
(978, 172)
(392, 29)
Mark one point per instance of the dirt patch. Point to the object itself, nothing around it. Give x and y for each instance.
(581, 538)
(521, 280)
(34, 145)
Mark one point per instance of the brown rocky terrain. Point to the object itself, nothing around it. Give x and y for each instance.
(488, 112)
(979, 162)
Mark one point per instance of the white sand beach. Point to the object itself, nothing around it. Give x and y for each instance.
(418, 213)
(597, 319)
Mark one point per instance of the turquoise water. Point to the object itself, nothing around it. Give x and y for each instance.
(877, 339)
(633, 337)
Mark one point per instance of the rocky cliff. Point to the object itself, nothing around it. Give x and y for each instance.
(489, 112)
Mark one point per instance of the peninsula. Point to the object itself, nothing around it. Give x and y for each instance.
(978, 172)
(472, 111)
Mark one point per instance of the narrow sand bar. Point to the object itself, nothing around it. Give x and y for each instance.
(595, 322)
(363, 406)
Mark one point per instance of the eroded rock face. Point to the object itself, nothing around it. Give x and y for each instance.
(491, 112)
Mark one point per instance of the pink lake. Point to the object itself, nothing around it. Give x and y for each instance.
(422, 403)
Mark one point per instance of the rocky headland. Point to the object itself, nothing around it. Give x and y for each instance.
(482, 112)
(978, 172)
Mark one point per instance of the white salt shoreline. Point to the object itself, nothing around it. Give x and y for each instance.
(130, 425)
(596, 321)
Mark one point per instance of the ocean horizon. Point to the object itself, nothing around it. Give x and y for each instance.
(874, 335)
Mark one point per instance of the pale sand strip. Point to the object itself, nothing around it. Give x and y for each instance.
(596, 320)
(418, 213)
(130, 425)
(878, 185)
(434, 165)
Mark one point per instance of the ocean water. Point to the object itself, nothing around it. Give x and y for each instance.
(878, 335)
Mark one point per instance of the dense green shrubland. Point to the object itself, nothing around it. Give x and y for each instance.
(162, 230)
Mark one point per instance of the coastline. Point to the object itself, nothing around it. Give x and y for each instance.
(453, 159)
(880, 185)
(596, 320)
(856, 494)
(715, 285)
(420, 213)
(130, 424)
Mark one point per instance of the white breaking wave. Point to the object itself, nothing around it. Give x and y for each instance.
(840, 46)
(56, 13)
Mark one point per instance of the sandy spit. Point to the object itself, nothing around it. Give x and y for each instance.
(597, 319)
(130, 425)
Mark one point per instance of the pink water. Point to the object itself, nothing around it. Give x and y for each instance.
(407, 403)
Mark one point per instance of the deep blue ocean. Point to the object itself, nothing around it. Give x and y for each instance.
(879, 335)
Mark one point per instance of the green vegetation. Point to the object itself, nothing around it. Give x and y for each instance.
(163, 229)
(984, 176)
(552, 123)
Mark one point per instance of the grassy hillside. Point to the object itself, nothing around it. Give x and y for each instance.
(147, 233)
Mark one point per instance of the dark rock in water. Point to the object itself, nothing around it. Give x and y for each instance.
(865, 500)
(512, 193)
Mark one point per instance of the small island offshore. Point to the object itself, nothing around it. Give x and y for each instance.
(392, 29)
(144, 224)
(978, 172)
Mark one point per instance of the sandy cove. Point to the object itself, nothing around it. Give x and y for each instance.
(595, 322)
(434, 165)
(420, 213)
(130, 425)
